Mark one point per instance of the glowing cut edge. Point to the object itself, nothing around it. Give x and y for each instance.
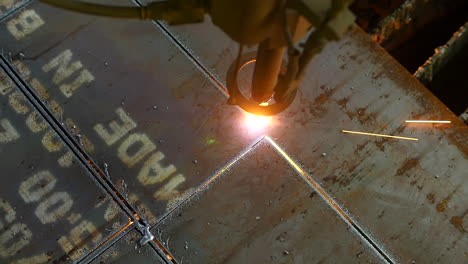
(309, 179)
(366, 238)
(378, 135)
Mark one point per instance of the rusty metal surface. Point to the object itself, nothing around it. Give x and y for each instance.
(408, 196)
(51, 209)
(124, 252)
(261, 210)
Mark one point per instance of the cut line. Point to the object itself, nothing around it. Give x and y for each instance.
(104, 245)
(334, 205)
(377, 135)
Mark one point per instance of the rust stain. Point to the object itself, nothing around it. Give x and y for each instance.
(343, 102)
(442, 205)
(361, 113)
(380, 145)
(431, 197)
(321, 99)
(408, 165)
(350, 114)
(334, 179)
(457, 221)
(359, 147)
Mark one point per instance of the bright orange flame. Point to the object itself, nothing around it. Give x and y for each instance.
(257, 123)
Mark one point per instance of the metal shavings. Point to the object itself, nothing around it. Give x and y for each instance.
(79, 138)
(147, 236)
(106, 171)
(124, 189)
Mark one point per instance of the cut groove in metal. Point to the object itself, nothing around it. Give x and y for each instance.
(219, 85)
(105, 244)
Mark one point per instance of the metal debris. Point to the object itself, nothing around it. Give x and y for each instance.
(147, 236)
(124, 189)
(106, 171)
(79, 138)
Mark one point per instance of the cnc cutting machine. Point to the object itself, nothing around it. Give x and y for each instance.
(275, 26)
(348, 146)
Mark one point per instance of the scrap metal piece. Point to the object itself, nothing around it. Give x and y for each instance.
(147, 235)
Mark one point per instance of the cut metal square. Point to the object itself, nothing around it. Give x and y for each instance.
(261, 210)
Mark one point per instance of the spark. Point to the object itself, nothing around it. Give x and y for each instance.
(429, 121)
(377, 135)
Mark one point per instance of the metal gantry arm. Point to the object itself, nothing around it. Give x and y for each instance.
(268, 23)
(173, 11)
